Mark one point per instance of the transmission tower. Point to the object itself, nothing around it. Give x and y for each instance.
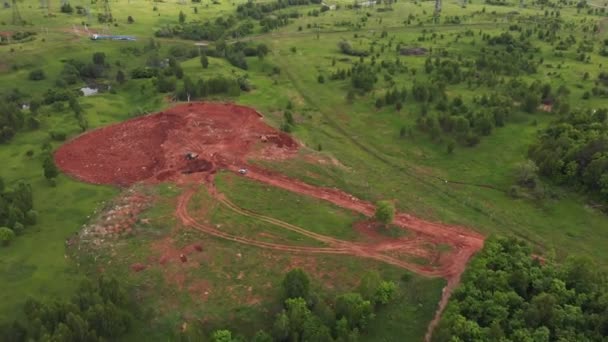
(17, 20)
(437, 7)
(107, 11)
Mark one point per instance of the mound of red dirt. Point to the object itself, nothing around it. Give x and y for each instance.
(188, 138)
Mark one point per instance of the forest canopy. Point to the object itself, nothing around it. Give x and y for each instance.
(507, 294)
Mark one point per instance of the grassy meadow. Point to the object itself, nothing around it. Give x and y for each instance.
(361, 147)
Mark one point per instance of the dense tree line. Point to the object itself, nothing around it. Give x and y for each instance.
(218, 85)
(98, 311)
(507, 294)
(257, 10)
(574, 151)
(16, 210)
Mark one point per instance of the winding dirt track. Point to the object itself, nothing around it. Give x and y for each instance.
(224, 136)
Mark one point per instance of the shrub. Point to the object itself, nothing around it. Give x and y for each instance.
(6, 236)
(66, 8)
(37, 75)
(385, 211)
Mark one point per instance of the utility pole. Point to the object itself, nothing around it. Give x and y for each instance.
(107, 11)
(17, 20)
(437, 7)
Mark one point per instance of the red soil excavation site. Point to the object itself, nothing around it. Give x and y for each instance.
(188, 143)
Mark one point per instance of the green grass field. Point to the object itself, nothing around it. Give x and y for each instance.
(347, 144)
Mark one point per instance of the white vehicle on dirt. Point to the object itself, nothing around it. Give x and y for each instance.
(242, 171)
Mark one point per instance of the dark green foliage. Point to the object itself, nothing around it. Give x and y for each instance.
(37, 75)
(508, 294)
(99, 58)
(182, 17)
(50, 169)
(67, 8)
(574, 151)
(98, 311)
(385, 211)
(165, 84)
(143, 72)
(363, 77)
(262, 50)
(7, 236)
(120, 77)
(214, 86)
(16, 207)
(356, 310)
(296, 284)
(347, 49)
(204, 61)
(11, 120)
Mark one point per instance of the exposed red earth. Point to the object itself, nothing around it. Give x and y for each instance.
(188, 143)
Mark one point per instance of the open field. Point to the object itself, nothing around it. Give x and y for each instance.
(310, 187)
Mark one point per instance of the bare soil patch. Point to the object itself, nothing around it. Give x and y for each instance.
(156, 147)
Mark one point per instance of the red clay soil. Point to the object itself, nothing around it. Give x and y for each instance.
(224, 136)
(154, 147)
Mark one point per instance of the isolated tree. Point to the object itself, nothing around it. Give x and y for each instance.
(296, 284)
(204, 61)
(50, 169)
(37, 75)
(526, 173)
(6, 236)
(531, 102)
(130, 20)
(262, 51)
(182, 17)
(385, 211)
(385, 292)
(99, 58)
(120, 77)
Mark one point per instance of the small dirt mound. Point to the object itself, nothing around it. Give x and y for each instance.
(137, 267)
(160, 147)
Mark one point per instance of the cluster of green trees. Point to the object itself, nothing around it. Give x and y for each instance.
(263, 12)
(98, 311)
(16, 210)
(508, 294)
(74, 71)
(574, 151)
(235, 53)
(11, 120)
(307, 317)
(222, 27)
(189, 90)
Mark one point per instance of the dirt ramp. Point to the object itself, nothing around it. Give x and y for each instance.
(188, 138)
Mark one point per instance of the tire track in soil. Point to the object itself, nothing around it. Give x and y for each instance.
(152, 148)
(465, 243)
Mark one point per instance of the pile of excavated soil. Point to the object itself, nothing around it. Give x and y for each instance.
(155, 147)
